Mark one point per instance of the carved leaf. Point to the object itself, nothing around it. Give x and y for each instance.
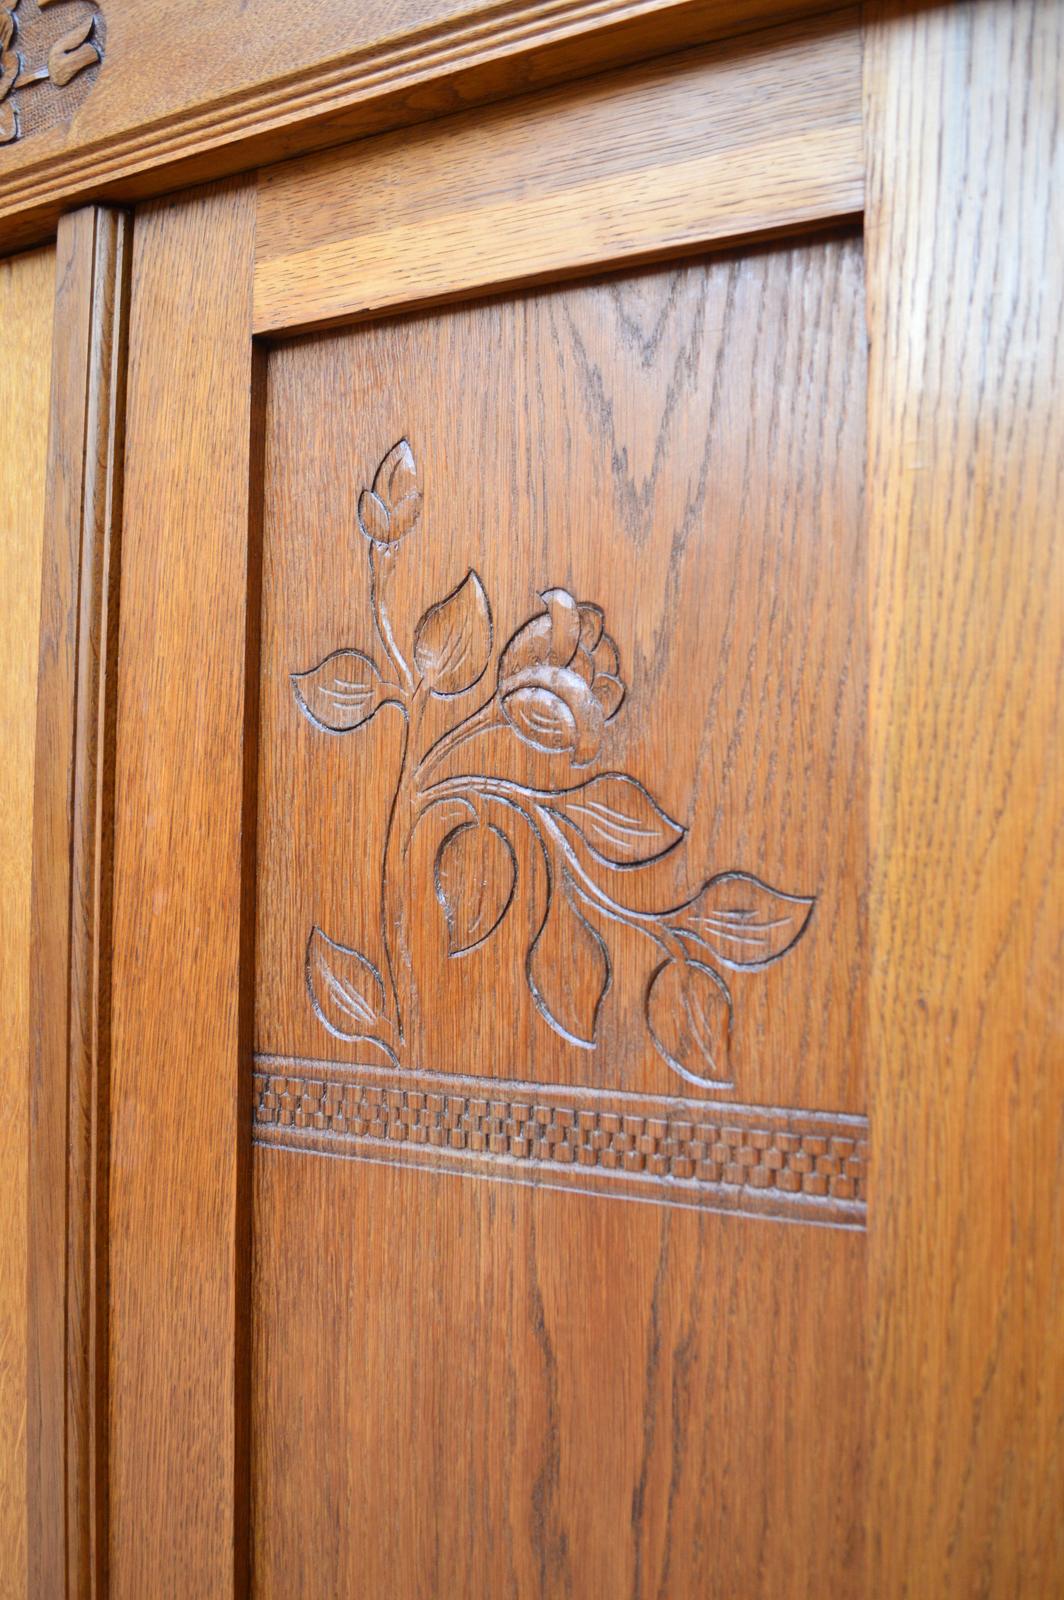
(346, 990)
(568, 970)
(476, 876)
(10, 61)
(743, 922)
(71, 54)
(688, 1011)
(452, 642)
(341, 693)
(621, 822)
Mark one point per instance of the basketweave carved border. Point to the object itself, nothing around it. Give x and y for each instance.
(808, 1166)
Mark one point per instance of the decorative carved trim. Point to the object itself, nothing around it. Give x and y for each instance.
(758, 1160)
(557, 684)
(34, 52)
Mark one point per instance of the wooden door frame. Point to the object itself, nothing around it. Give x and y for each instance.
(960, 1066)
(71, 911)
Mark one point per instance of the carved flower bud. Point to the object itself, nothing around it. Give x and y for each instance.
(388, 511)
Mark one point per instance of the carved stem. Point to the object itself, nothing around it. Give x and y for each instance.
(391, 882)
(378, 600)
(482, 720)
(648, 923)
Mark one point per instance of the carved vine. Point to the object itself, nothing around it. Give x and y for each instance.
(557, 683)
(77, 49)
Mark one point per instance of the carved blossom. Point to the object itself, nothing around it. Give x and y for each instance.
(559, 681)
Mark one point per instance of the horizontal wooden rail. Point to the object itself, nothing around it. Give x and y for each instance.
(753, 136)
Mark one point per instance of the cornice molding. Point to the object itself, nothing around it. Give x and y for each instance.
(464, 60)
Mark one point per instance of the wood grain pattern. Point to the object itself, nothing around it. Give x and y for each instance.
(194, 93)
(758, 135)
(484, 1390)
(624, 443)
(181, 960)
(524, 1388)
(966, 307)
(71, 908)
(27, 285)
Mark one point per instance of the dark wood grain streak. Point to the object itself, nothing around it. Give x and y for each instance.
(966, 460)
(72, 910)
(182, 853)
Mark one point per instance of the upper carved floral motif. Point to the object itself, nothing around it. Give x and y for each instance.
(32, 52)
(558, 679)
(557, 685)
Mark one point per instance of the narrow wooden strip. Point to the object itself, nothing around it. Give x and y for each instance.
(182, 965)
(965, 245)
(27, 288)
(71, 910)
(759, 135)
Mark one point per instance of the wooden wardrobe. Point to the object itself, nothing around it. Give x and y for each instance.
(531, 827)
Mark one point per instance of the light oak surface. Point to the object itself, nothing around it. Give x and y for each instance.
(27, 284)
(966, 453)
(178, 1127)
(539, 1394)
(757, 136)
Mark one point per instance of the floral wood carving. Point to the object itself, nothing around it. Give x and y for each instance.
(557, 683)
(43, 43)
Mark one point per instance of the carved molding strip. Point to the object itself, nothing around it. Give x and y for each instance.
(756, 1160)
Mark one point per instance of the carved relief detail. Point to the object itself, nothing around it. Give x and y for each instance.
(34, 52)
(557, 684)
(745, 1158)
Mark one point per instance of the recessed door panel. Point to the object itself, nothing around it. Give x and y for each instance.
(560, 1165)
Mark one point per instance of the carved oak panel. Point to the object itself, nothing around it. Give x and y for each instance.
(561, 1166)
(562, 691)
